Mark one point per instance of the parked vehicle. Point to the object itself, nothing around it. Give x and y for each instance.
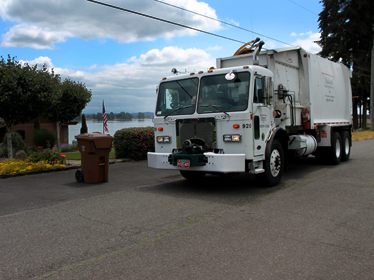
(253, 112)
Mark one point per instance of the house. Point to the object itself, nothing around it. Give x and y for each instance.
(26, 130)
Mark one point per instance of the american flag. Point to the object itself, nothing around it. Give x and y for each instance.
(105, 119)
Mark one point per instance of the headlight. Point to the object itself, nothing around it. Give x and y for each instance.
(163, 139)
(232, 138)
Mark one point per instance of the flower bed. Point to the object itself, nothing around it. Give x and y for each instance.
(46, 155)
(13, 166)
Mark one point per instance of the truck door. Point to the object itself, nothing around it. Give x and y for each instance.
(261, 115)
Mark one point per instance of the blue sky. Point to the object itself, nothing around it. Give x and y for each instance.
(122, 57)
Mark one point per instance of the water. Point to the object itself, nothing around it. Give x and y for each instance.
(113, 126)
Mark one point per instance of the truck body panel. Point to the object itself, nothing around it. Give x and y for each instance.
(319, 84)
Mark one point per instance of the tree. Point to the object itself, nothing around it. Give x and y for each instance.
(84, 128)
(347, 37)
(141, 116)
(110, 116)
(69, 102)
(24, 90)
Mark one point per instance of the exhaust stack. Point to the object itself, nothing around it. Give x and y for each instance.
(257, 50)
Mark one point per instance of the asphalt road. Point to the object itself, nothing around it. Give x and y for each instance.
(150, 224)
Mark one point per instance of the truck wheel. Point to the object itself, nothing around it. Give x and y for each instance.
(274, 165)
(192, 175)
(335, 152)
(346, 146)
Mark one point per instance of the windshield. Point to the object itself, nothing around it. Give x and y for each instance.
(219, 94)
(177, 97)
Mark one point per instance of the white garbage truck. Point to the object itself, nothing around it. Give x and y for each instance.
(252, 113)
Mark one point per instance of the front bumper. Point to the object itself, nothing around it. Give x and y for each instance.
(225, 163)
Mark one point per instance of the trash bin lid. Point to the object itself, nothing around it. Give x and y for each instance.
(101, 141)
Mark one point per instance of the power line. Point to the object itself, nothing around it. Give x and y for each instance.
(303, 7)
(221, 22)
(164, 20)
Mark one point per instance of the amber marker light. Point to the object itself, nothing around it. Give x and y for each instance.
(236, 126)
(160, 129)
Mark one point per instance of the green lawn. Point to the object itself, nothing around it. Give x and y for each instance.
(77, 155)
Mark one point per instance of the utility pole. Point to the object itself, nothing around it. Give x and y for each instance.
(372, 87)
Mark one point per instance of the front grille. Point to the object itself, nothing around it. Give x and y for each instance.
(204, 129)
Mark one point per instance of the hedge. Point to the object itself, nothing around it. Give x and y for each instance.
(134, 143)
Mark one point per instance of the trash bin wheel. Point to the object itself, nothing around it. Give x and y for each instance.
(79, 176)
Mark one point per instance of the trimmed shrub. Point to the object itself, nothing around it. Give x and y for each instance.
(17, 144)
(134, 143)
(84, 128)
(43, 138)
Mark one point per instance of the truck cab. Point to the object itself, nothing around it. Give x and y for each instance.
(216, 121)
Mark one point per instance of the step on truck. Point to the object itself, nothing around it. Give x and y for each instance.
(252, 113)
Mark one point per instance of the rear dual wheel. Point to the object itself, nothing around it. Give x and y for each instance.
(346, 146)
(340, 149)
(335, 151)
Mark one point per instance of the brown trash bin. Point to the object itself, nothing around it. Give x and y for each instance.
(94, 149)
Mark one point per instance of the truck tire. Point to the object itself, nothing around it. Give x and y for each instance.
(335, 151)
(346, 146)
(274, 165)
(192, 175)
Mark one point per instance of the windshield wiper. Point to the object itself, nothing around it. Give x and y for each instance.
(217, 107)
(177, 109)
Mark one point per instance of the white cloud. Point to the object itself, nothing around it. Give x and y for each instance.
(170, 55)
(131, 86)
(234, 22)
(24, 34)
(40, 24)
(308, 43)
(40, 61)
(293, 34)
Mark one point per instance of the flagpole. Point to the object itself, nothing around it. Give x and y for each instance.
(105, 120)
